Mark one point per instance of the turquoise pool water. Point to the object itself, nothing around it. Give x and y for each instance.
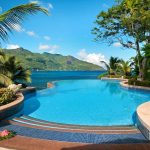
(86, 102)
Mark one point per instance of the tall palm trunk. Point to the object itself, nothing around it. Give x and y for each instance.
(141, 74)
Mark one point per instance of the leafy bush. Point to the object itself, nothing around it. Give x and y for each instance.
(6, 96)
(114, 76)
(127, 77)
(102, 75)
(108, 76)
(139, 83)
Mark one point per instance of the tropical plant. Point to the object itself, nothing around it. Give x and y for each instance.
(111, 66)
(124, 67)
(134, 66)
(12, 72)
(4, 73)
(15, 16)
(146, 62)
(6, 96)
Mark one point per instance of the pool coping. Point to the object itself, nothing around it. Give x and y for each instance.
(13, 107)
(143, 113)
(28, 89)
(107, 78)
(126, 85)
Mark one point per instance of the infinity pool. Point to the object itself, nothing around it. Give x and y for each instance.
(86, 102)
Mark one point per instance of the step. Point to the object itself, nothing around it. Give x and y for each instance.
(33, 122)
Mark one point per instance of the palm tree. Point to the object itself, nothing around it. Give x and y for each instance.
(111, 66)
(4, 73)
(12, 72)
(134, 66)
(8, 21)
(146, 62)
(124, 67)
(15, 16)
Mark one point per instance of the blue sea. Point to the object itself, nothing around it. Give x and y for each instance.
(40, 78)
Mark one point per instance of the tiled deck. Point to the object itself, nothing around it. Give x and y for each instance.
(37, 136)
(26, 143)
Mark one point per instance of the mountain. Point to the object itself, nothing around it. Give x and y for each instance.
(47, 61)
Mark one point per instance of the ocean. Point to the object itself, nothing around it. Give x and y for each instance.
(40, 78)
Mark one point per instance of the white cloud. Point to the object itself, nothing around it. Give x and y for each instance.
(94, 58)
(18, 28)
(34, 1)
(31, 33)
(50, 6)
(47, 38)
(12, 46)
(48, 48)
(117, 44)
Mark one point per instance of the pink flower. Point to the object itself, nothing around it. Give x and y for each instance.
(4, 133)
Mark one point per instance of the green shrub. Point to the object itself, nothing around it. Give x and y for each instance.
(114, 76)
(127, 77)
(139, 83)
(102, 75)
(6, 96)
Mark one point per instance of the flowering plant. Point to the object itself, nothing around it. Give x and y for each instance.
(5, 134)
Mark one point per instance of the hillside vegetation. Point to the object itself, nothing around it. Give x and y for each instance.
(47, 61)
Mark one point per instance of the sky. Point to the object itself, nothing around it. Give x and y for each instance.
(67, 30)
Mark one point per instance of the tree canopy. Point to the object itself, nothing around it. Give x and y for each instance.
(128, 22)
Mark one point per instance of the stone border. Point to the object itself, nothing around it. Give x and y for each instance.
(28, 90)
(143, 114)
(50, 85)
(120, 79)
(12, 108)
(126, 85)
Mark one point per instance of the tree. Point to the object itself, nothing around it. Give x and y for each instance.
(111, 66)
(125, 68)
(128, 22)
(12, 72)
(146, 61)
(134, 66)
(15, 16)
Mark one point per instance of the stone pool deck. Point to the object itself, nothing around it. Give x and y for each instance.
(26, 143)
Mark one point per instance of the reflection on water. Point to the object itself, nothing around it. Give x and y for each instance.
(31, 104)
(86, 102)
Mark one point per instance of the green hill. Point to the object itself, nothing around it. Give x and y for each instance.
(47, 61)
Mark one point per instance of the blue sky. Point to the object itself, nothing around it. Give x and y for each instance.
(66, 31)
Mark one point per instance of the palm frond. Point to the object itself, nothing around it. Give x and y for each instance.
(4, 80)
(15, 16)
(22, 75)
(107, 66)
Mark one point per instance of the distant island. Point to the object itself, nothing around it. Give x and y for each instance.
(50, 62)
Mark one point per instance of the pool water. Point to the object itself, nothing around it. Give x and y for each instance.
(86, 102)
